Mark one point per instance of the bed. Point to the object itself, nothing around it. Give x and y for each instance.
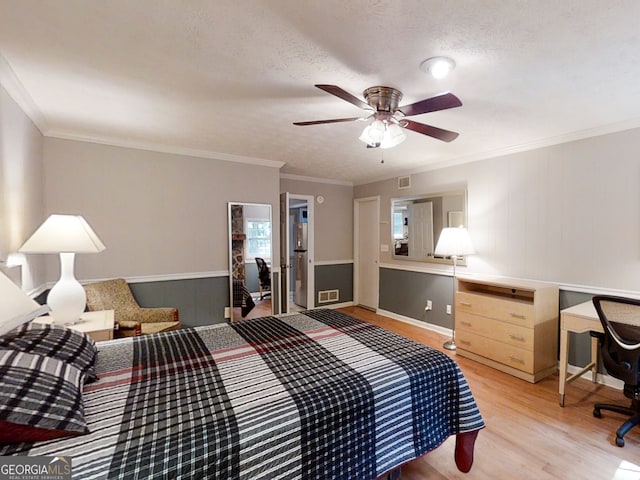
(313, 395)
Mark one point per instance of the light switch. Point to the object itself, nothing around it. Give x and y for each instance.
(384, 247)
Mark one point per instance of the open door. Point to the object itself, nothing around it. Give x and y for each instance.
(285, 265)
(296, 252)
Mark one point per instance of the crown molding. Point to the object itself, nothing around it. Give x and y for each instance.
(302, 178)
(15, 89)
(162, 148)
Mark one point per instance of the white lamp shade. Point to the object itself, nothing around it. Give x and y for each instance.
(63, 233)
(454, 241)
(66, 235)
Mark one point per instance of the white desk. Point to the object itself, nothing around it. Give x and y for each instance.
(577, 319)
(98, 325)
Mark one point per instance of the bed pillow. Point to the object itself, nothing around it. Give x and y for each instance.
(40, 398)
(55, 341)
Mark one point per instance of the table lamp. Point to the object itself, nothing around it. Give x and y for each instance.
(454, 242)
(66, 235)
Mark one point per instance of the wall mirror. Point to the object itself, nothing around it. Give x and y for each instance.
(416, 223)
(250, 227)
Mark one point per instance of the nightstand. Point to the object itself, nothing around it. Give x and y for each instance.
(98, 325)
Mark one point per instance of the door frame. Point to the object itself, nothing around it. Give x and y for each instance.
(285, 268)
(357, 202)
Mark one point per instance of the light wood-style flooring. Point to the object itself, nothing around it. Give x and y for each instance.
(528, 435)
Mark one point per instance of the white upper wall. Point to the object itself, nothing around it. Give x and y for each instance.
(333, 219)
(157, 213)
(21, 186)
(568, 214)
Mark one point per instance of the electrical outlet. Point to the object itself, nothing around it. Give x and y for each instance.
(448, 309)
(429, 305)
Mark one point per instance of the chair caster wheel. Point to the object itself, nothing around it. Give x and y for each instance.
(620, 441)
(596, 413)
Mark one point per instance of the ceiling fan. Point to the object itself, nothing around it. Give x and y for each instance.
(388, 119)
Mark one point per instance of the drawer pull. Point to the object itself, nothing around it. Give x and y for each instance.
(513, 336)
(516, 359)
(466, 304)
(518, 315)
(466, 324)
(464, 342)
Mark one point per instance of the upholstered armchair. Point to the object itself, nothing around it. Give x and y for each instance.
(132, 319)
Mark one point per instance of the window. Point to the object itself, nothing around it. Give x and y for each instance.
(258, 239)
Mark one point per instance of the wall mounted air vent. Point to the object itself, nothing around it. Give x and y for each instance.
(404, 182)
(326, 296)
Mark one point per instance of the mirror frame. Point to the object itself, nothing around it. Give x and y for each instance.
(230, 248)
(436, 235)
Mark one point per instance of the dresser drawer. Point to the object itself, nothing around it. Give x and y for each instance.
(512, 311)
(504, 332)
(510, 355)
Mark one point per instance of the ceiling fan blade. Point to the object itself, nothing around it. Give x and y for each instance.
(334, 120)
(435, 132)
(433, 104)
(344, 95)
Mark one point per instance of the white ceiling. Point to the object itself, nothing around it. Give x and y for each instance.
(227, 78)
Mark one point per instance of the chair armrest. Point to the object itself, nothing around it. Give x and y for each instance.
(128, 324)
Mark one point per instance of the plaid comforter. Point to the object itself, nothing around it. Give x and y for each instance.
(318, 395)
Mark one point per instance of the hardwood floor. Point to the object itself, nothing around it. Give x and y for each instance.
(528, 435)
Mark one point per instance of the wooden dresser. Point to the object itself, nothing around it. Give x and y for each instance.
(508, 324)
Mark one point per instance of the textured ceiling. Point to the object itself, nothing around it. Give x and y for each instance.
(227, 78)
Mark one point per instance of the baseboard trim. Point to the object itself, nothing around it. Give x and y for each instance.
(333, 306)
(603, 379)
(427, 326)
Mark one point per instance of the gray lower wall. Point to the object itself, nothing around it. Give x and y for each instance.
(334, 277)
(406, 293)
(252, 281)
(579, 343)
(200, 301)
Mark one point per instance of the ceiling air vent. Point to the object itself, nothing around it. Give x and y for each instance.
(404, 182)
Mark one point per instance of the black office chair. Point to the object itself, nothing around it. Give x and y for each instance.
(620, 350)
(264, 274)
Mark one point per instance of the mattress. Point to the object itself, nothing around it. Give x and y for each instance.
(314, 395)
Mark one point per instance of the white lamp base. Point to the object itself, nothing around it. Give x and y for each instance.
(67, 298)
(450, 344)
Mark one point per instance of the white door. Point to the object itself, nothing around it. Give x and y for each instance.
(421, 230)
(285, 266)
(367, 238)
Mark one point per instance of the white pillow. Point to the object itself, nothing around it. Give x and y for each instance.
(16, 307)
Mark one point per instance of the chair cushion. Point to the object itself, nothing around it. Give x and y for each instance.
(116, 295)
(70, 346)
(110, 295)
(40, 398)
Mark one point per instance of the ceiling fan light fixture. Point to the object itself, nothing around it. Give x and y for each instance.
(393, 136)
(364, 137)
(377, 131)
(438, 67)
